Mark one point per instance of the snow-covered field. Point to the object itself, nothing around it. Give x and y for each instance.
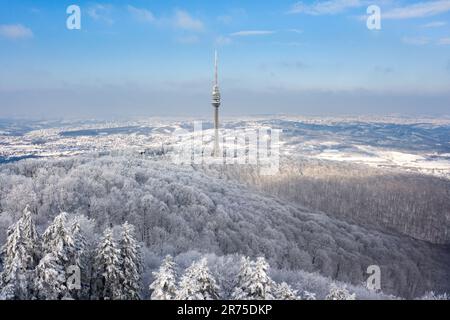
(420, 145)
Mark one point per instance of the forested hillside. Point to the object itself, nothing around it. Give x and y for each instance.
(412, 204)
(180, 209)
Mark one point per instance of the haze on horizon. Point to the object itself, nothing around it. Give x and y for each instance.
(146, 58)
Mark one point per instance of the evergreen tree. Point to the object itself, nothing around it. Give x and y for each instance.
(59, 253)
(80, 259)
(283, 291)
(107, 265)
(50, 281)
(15, 275)
(253, 281)
(261, 285)
(243, 280)
(164, 286)
(31, 236)
(20, 255)
(131, 264)
(197, 283)
(58, 239)
(339, 293)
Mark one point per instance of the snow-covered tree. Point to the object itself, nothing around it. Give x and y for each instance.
(131, 264)
(31, 236)
(58, 239)
(240, 291)
(59, 254)
(197, 283)
(16, 273)
(108, 269)
(50, 281)
(80, 259)
(261, 285)
(253, 281)
(164, 286)
(283, 291)
(20, 254)
(309, 295)
(339, 293)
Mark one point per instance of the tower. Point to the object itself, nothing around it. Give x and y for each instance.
(216, 105)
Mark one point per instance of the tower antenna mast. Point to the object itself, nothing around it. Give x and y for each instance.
(216, 104)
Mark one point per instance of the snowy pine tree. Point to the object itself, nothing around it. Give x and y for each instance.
(31, 236)
(80, 259)
(20, 254)
(58, 239)
(339, 293)
(261, 286)
(131, 264)
(50, 281)
(243, 280)
(197, 283)
(164, 286)
(253, 281)
(15, 275)
(283, 291)
(107, 266)
(59, 253)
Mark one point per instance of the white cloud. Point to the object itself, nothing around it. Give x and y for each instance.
(246, 33)
(418, 10)
(435, 24)
(444, 41)
(184, 20)
(15, 31)
(298, 31)
(416, 41)
(142, 15)
(329, 7)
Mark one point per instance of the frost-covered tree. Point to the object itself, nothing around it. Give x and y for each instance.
(164, 286)
(31, 236)
(253, 281)
(50, 281)
(309, 295)
(58, 239)
(107, 266)
(283, 291)
(16, 273)
(80, 259)
(339, 293)
(240, 291)
(261, 285)
(59, 254)
(197, 283)
(20, 254)
(131, 264)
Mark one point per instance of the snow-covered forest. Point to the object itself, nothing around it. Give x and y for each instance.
(407, 203)
(192, 213)
(63, 264)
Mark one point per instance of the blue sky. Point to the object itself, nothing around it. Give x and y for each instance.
(155, 58)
